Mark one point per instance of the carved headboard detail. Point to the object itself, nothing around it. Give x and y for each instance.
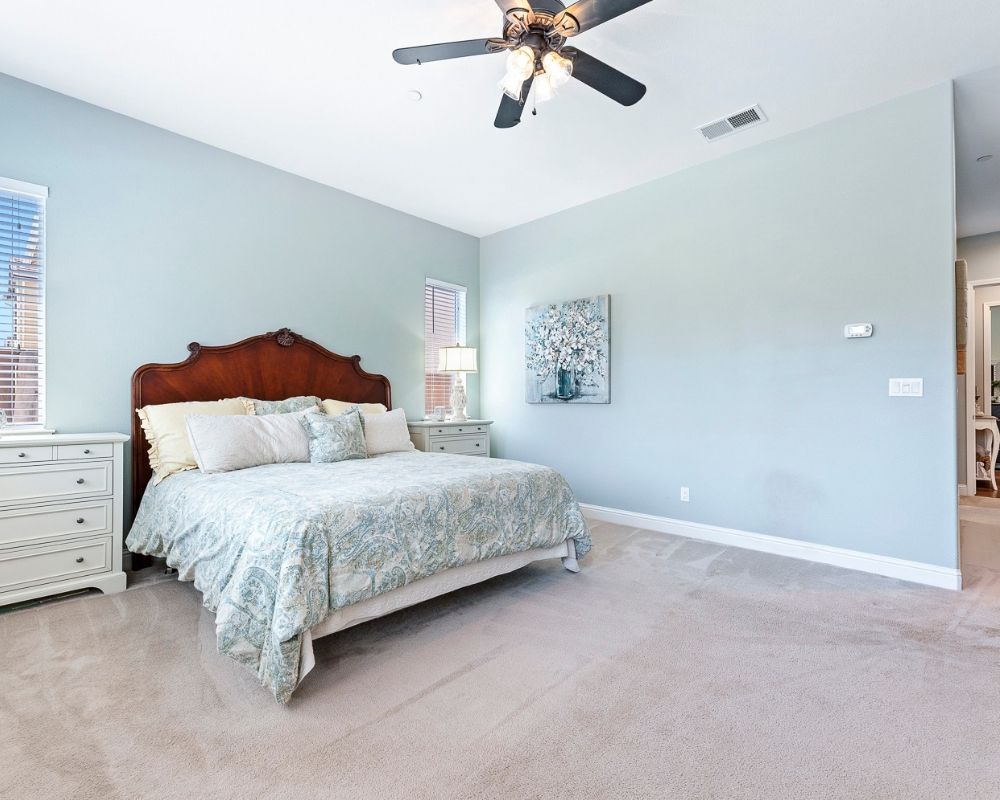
(272, 366)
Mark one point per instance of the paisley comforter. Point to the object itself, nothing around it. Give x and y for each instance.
(274, 549)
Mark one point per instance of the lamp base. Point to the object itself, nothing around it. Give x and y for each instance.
(458, 401)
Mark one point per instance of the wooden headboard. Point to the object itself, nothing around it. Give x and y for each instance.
(272, 366)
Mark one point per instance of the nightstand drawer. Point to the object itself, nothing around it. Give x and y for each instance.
(25, 455)
(68, 452)
(29, 566)
(457, 430)
(55, 481)
(29, 525)
(467, 445)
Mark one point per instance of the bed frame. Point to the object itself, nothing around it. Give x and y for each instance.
(274, 366)
(271, 366)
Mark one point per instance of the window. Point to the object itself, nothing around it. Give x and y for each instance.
(22, 303)
(444, 324)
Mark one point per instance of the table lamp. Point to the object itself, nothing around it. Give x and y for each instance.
(459, 360)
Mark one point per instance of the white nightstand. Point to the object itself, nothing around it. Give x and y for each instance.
(468, 438)
(60, 514)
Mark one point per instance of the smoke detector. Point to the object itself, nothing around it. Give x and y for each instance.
(737, 121)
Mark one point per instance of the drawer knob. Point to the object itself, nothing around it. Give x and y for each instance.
(79, 559)
(460, 430)
(441, 447)
(79, 480)
(477, 444)
(22, 455)
(79, 520)
(86, 451)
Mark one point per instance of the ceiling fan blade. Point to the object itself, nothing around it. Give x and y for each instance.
(440, 52)
(586, 14)
(607, 80)
(509, 113)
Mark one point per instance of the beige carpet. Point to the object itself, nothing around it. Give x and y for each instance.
(667, 669)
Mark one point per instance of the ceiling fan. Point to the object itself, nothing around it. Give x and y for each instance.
(534, 38)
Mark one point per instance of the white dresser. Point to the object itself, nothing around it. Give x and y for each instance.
(60, 514)
(469, 438)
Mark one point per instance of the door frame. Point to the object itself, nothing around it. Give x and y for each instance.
(972, 356)
(987, 351)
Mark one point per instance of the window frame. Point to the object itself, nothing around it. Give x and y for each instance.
(461, 329)
(38, 192)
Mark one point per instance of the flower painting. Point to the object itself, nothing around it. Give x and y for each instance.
(566, 352)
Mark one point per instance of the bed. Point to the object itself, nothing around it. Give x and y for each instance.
(285, 553)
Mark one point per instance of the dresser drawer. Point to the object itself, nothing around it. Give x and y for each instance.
(29, 525)
(25, 455)
(457, 430)
(54, 481)
(29, 566)
(466, 445)
(69, 452)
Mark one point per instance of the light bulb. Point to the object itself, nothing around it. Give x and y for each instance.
(521, 62)
(544, 91)
(558, 68)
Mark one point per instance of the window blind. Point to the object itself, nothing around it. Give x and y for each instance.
(22, 304)
(444, 325)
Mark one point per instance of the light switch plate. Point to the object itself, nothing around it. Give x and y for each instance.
(906, 387)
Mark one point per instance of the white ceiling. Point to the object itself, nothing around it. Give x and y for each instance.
(977, 133)
(311, 86)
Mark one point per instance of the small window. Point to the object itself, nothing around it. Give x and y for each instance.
(22, 304)
(444, 325)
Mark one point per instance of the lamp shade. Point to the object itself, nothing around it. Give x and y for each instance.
(457, 359)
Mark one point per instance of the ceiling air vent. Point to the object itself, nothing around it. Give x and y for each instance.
(746, 118)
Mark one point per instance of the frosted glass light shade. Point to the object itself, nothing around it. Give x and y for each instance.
(558, 68)
(520, 65)
(457, 359)
(543, 88)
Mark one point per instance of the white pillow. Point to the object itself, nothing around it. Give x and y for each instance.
(166, 432)
(337, 407)
(224, 444)
(387, 432)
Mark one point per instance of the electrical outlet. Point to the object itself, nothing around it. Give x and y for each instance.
(685, 494)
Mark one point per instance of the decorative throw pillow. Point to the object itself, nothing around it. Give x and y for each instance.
(387, 433)
(336, 407)
(166, 432)
(289, 406)
(223, 444)
(335, 438)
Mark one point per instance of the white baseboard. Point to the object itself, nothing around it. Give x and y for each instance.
(963, 490)
(915, 571)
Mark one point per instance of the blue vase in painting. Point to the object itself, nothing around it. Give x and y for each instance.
(565, 383)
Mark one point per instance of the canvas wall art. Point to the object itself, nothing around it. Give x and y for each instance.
(566, 352)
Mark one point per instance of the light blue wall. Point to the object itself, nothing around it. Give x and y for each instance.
(730, 285)
(155, 240)
(982, 254)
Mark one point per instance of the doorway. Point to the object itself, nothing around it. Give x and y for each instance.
(982, 390)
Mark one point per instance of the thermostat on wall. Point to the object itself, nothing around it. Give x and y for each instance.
(858, 330)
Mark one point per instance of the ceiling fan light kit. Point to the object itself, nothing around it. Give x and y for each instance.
(534, 38)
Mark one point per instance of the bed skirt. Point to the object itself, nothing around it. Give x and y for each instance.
(427, 588)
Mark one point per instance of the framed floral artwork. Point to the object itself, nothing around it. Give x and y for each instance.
(566, 352)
